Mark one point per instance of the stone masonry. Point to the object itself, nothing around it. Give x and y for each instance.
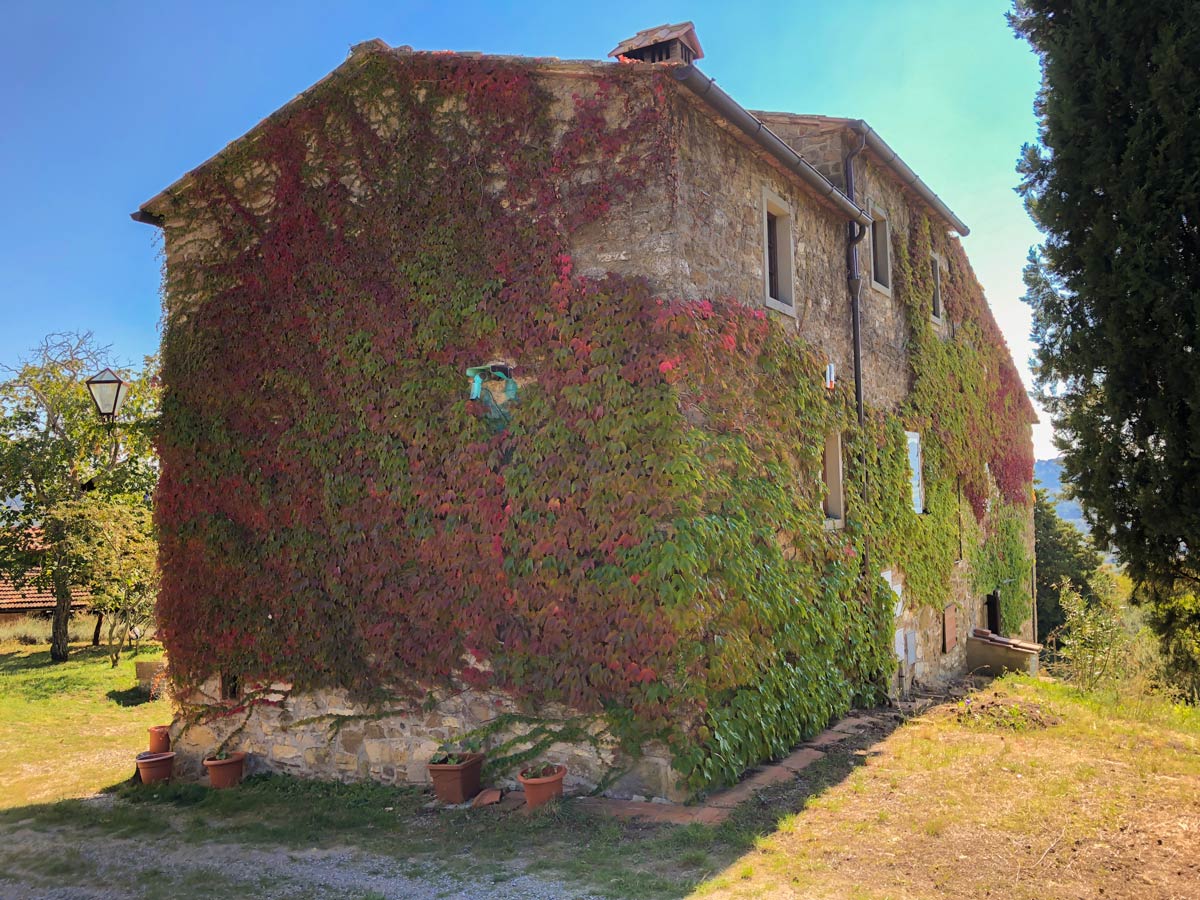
(325, 734)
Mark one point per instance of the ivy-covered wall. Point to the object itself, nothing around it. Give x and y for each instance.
(645, 540)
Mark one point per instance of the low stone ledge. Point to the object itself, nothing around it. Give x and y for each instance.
(324, 734)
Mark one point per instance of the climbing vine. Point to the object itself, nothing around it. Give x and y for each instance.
(641, 539)
(968, 403)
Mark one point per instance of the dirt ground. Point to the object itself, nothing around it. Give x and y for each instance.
(113, 868)
(1021, 790)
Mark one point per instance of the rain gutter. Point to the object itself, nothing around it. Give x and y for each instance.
(911, 179)
(733, 112)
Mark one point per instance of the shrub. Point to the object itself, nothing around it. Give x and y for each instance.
(1091, 640)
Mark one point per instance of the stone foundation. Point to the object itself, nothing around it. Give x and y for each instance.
(324, 734)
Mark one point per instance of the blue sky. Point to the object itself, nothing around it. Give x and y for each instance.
(104, 104)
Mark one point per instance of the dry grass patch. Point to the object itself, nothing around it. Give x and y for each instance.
(69, 729)
(1027, 791)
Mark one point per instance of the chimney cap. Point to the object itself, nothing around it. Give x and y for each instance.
(684, 32)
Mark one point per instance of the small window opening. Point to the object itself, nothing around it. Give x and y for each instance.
(773, 256)
(915, 471)
(958, 485)
(494, 387)
(231, 687)
(935, 271)
(777, 253)
(881, 268)
(835, 496)
(664, 51)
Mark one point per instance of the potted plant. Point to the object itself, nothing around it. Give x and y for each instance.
(225, 768)
(160, 738)
(543, 782)
(155, 767)
(455, 772)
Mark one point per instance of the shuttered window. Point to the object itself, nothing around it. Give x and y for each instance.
(916, 475)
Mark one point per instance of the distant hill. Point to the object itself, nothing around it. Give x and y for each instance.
(1049, 473)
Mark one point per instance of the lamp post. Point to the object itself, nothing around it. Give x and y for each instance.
(109, 392)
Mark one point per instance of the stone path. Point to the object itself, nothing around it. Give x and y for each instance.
(716, 807)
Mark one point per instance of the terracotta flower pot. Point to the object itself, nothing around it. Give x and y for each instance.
(225, 773)
(539, 791)
(155, 767)
(457, 783)
(160, 738)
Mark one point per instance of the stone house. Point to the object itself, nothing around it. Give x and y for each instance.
(20, 602)
(813, 223)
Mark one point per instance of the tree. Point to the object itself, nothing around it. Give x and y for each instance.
(1091, 639)
(1063, 552)
(1114, 187)
(1176, 619)
(114, 535)
(56, 457)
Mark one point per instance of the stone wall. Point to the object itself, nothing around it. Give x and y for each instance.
(719, 235)
(325, 734)
(920, 633)
(820, 141)
(721, 181)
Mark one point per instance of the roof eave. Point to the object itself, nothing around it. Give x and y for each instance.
(152, 212)
(738, 116)
(911, 179)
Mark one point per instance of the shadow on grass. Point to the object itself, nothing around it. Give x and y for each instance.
(134, 696)
(24, 659)
(608, 857)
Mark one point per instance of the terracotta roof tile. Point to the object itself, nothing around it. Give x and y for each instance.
(30, 599)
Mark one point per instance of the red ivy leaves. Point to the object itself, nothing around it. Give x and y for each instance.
(333, 510)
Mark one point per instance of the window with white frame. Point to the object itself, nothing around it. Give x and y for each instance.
(881, 250)
(935, 274)
(777, 253)
(916, 471)
(834, 503)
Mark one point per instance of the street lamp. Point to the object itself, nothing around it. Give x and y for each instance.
(109, 393)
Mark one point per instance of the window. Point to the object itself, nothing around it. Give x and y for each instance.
(231, 689)
(835, 497)
(915, 473)
(935, 272)
(777, 254)
(773, 256)
(881, 250)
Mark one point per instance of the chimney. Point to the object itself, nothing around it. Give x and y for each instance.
(664, 43)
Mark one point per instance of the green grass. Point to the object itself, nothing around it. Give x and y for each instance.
(610, 857)
(616, 858)
(69, 729)
(1030, 768)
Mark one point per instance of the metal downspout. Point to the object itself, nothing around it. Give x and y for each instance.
(892, 160)
(856, 232)
(707, 90)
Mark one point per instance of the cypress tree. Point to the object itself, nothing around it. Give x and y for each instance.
(1114, 185)
(1062, 551)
